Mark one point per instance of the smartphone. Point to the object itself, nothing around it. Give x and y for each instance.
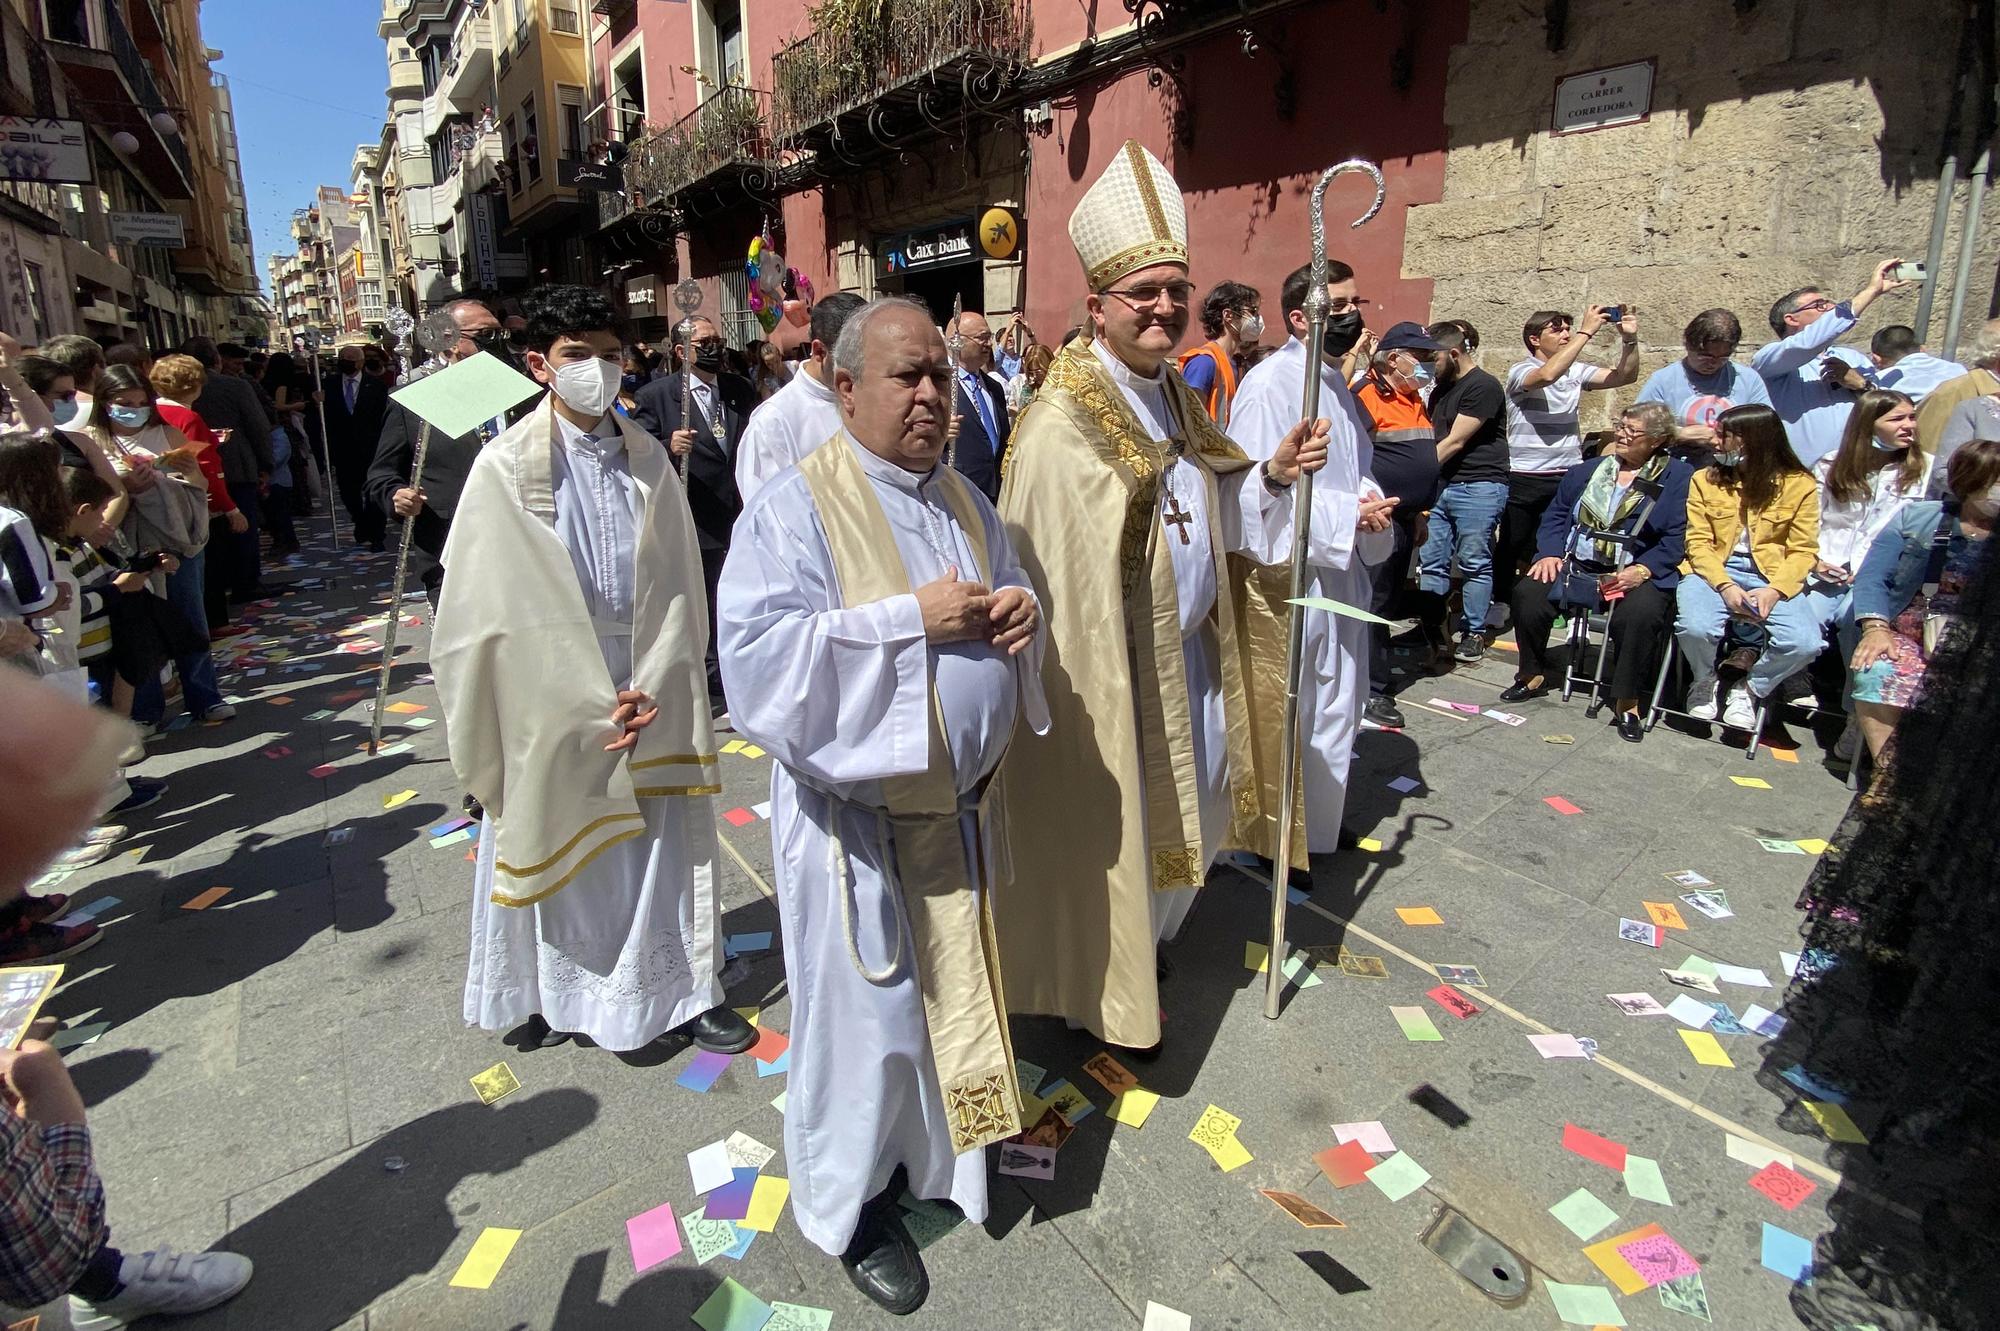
(1613, 313)
(1908, 272)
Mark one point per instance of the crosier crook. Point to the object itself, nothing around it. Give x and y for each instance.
(1288, 760)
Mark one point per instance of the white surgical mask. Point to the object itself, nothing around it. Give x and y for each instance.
(588, 386)
(1886, 445)
(1251, 328)
(129, 417)
(64, 410)
(1729, 459)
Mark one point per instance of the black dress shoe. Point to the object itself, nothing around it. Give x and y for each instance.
(1521, 690)
(1631, 727)
(883, 1262)
(536, 1033)
(721, 1030)
(1382, 713)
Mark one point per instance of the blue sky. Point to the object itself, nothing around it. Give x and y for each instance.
(309, 84)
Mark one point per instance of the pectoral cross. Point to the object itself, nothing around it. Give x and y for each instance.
(1177, 516)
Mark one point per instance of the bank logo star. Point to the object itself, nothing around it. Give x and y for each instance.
(1002, 232)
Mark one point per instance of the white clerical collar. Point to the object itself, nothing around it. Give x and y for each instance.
(812, 387)
(601, 440)
(879, 468)
(1126, 377)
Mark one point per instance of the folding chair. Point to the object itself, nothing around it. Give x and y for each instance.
(1657, 708)
(1577, 565)
(1580, 625)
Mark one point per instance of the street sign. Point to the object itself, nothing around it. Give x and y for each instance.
(1603, 98)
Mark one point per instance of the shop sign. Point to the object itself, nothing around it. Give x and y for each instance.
(51, 152)
(166, 229)
(935, 247)
(642, 297)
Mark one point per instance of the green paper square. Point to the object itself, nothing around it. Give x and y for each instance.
(1584, 1305)
(1644, 1180)
(1583, 1215)
(732, 1308)
(460, 398)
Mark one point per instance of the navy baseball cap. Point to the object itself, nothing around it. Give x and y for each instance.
(1407, 337)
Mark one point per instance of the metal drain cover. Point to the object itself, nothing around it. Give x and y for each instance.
(1492, 1268)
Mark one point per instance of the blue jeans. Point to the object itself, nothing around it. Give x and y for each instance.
(1462, 523)
(1793, 635)
(199, 689)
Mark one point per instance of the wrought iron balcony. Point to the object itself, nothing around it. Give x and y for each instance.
(905, 51)
(80, 38)
(722, 146)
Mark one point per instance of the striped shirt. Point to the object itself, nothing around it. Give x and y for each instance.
(1543, 435)
(92, 571)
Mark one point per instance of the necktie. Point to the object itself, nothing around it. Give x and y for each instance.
(981, 405)
(353, 386)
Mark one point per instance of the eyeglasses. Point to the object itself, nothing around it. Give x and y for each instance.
(1559, 326)
(981, 338)
(1814, 306)
(710, 344)
(1342, 304)
(1179, 294)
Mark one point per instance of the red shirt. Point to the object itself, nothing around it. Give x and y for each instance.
(196, 429)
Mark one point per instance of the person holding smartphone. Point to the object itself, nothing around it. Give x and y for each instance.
(1811, 381)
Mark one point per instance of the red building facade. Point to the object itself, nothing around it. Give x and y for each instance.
(938, 147)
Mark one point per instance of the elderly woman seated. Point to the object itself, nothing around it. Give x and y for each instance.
(1613, 533)
(1752, 539)
(1908, 588)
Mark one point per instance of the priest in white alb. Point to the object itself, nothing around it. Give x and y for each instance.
(1349, 534)
(802, 415)
(880, 639)
(568, 648)
(1139, 524)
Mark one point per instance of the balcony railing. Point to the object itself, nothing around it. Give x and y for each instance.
(139, 77)
(839, 67)
(729, 129)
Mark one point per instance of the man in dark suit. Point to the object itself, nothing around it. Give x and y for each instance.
(981, 407)
(705, 450)
(431, 502)
(356, 405)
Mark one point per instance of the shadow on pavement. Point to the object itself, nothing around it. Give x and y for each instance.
(333, 1247)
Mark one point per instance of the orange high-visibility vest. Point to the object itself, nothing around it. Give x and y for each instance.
(1223, 390)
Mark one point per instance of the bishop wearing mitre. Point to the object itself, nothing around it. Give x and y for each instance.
(1139, 524)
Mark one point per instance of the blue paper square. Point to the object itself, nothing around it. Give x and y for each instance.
(750, 942)
(731, 1201)
(776, 1067)
(1787, 1253)
(1813, 1086)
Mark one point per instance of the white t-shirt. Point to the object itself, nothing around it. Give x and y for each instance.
(1542, 432)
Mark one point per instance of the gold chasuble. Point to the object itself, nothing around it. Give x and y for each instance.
(1105, 809)
(950, 933)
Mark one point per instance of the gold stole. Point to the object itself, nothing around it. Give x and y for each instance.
(951, 926)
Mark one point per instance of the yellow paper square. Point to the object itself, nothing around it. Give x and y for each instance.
(489, 1253)
(397, 800)
(733, 746)
(1231, 1154)
(1707, 1050)
(494, 1083)
(1368, 843)
(204, 900)
(406, 708)
(1256, 957)
(1132, 1108)
(750, 1014)
(1753, 782)
(1785, 755)
(767, 1202)
(1418, 915)
(1811, 846)
(1835, 1123)
(750, 751)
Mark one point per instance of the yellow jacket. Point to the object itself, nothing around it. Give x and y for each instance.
(1784, 535)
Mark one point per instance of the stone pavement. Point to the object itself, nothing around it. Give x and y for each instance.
(286, 1072)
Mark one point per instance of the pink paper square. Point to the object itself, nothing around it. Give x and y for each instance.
(1561, 805)
(739, 817)
(1658, 1259)
(324, 769)
(654, 1237)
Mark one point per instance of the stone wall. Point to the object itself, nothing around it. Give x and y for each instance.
(1797, 143)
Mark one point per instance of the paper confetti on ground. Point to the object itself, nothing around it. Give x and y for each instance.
(482, 1264)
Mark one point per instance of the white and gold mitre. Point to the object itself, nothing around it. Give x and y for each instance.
(1132, 218)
